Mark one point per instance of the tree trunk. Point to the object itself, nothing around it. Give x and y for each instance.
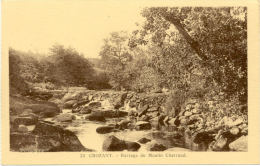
(194, 44)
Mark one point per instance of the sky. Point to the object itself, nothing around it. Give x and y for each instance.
(35, 25)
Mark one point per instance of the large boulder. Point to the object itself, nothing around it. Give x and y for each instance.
(154, 146)
(96, 116)
(69, 104)
(123, 124)
(80, 103)
(240, 144)
(94, 105)
(143, 125)
(30, 119)
(132, 146)
(85, 110)
(144, 140)
(22, 129)
(44, 110)
(119, 102)
(45, 138)
(112, 143)
(114, 114)
(71, 96)
(105, 129)
(65, 118)
(220, 144)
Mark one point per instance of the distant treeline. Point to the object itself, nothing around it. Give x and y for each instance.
(63, 67)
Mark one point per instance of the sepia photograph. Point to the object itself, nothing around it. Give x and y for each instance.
(94, 76)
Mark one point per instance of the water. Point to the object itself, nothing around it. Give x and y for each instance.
(86, 131)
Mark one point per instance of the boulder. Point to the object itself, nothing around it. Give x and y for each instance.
(65, 118)
(143, 125)
(187, 113)
(44, 110)
(114, 114)
(29, 120)
(69, 104)
(112, 143)
(143, 110)
(80, 103)
(153, 146)
(26, 112)
(123, 124)
(220, 144)
(96, 116)
(234, 130)
(22, 129)
(119, 102)
(204, 137)
(105, 129)
(132, 146)
(85, 110)
(71, 96)
(144, 118)
(94, 105)
(240, 144)
(144, 140)
(172, 122)
(45, 138)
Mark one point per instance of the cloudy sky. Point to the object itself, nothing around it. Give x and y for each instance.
(36, 25)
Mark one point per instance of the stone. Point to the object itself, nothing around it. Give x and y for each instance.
(144, 118)
(234, 130)
(143, 140)
(85, 110)
(123, 124)
(46, 138)
(112, 143)
(104, 129)
(69, 104)
(132, 146)
(143, 110)
(94, 105)
(183, 121)
(22, 129)
(172, 121)
(165, 120)
(26, 112)
(143, 125)
(70, 96)
(187, 113)
(96, 116)
(80, 103)
(240, 144)
(31, 119)
(114, 113)
(220, 144)
(65, 118)
(153, 146)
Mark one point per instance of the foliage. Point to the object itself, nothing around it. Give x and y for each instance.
(210, 43)
(16, 82)
(115, 56)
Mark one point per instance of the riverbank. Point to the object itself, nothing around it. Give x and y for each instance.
(99, 120)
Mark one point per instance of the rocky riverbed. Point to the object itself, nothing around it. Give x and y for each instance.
(88, 120)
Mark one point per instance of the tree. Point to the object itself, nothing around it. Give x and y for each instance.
(66, 66)
(217, 36)
(115, 55)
